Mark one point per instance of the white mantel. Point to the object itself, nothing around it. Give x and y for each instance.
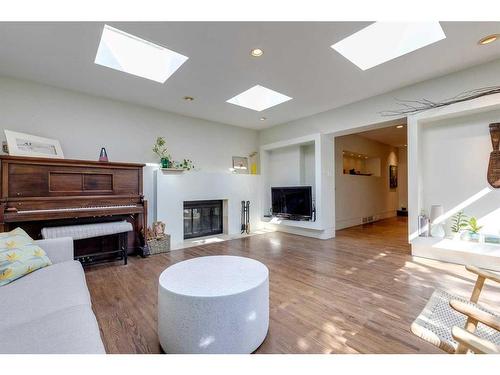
(172, 190)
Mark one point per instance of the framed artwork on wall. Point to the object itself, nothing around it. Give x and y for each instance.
(240, 164)
(393, 176)
(22, 144)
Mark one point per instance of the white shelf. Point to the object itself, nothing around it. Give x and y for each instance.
(172, 170)
(482, 255)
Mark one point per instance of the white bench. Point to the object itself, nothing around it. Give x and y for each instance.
(83, 231)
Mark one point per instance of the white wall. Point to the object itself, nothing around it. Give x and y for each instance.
(83, 124)
(453, 163)
(292, 166)
(357, 197)
(307, 166)
(284, 166)
(403, 177)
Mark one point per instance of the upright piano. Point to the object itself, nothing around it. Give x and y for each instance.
(40, 192)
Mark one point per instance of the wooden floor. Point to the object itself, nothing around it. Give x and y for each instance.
(357, 293)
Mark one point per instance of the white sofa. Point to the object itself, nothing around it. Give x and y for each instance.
(49, 310)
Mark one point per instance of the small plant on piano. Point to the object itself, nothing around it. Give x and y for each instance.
(160, 149)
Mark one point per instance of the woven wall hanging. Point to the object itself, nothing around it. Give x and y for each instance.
(494, 165)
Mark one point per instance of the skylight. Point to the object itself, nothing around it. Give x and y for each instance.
(384, 41)
(259, 98)
(130, 54)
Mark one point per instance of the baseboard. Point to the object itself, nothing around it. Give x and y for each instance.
(341, 224)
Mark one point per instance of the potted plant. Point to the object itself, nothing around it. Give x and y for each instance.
(458, 224)
(160, 149)
(473, 229)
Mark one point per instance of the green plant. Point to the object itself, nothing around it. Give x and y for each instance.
(458, 222)
(160, 148)
(473, 227)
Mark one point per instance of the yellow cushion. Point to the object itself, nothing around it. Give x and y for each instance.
(19, 256)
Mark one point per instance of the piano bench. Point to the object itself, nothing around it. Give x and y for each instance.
(84, 231)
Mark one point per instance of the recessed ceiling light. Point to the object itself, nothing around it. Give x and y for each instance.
(188, 98)
(256, 52)
(259, 98)
(383, 41)
(127, 53)
(399, 126)
(488, 39)
(263, 119)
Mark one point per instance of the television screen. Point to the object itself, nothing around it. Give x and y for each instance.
(292, 201)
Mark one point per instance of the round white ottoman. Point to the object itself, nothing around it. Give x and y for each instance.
(213, 304)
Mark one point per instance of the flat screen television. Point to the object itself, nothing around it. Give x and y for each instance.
(292, 202)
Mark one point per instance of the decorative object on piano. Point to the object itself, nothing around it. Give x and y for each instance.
(103, 156)
(158, 241)
(393, 176)
(240, 165)
(22, 144)
(494, 163)
(160, 149)
(5, 148)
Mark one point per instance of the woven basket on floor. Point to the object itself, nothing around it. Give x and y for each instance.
(159, 245)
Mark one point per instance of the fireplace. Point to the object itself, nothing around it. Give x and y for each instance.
(202, 218)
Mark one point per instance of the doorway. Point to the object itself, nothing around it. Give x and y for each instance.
(371, 175)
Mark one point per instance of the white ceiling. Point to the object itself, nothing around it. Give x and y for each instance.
(390, 135)
(297, 62)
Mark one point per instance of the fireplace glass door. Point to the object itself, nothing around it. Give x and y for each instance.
(202, 218)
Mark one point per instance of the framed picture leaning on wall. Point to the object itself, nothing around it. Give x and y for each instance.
(22, 144)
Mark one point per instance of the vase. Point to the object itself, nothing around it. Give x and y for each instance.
(165, 163)
(437, 231)
(437, 227)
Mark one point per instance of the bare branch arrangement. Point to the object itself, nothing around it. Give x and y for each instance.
(410, 107)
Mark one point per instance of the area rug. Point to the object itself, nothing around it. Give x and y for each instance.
(437, 318)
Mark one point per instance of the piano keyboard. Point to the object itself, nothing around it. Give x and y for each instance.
(72, 209)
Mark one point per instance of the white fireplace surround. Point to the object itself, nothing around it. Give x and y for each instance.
(172, 190)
